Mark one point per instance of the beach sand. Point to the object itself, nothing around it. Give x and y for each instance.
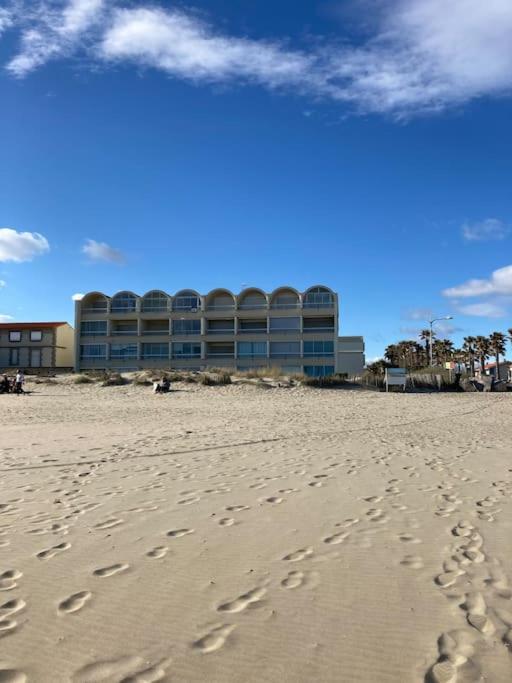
(238, 534)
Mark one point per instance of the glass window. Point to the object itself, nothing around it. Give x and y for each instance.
(318, 370)
(124, 303)
(123, 351)
(253, 349)
(186, 350)
(93, 327)
(154, 302)
(284, 324)
(318, 348)
(14, 356)
(186, 301)
(14, 336)
(186, 327)
(36, 335)
(155, 350)
(317, 297)
(285, 348)
(93, 351)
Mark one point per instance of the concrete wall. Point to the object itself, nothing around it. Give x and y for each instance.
(64, 346)
(350, 357)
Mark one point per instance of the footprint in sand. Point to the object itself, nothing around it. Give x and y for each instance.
(75, 602)
(275, 500)
(128, 669)
(189, 501)
(214, 639)
(9, 578)
(298, 555)
(110, 571)
(298, 579)
(336, 538)
(315, 484)
(178, 533)
(11, 607)
(412, 561)
(108, 524)
(12, 676)
(226, 521)
(6, 626)
(409, 538)
(158, 552)
(243, 601)
(237, 508)
(55, 550)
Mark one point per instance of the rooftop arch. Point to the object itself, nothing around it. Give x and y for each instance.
(186, 300)
(285, 297)
(318, 296)
(95, 302)
(252, 297)
(155, 301)
(219, 299)
(124, 302)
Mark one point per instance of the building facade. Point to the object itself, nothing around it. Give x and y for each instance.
(297, 331)
(45, 345)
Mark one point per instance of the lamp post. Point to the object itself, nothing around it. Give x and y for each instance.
(431, 322)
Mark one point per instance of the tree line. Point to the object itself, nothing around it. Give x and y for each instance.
(414, 355)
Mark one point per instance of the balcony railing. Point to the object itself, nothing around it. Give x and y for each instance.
(93, 334)
(318, 329)
(254, 330)
(316, 304)
(252, 307)
(285, 331)
(179, 333)
(150, 356)
(99, 311)
(285, 306)
(178, 356)
(320, 354)
(220, 307)
(123, 310)
(149, 332)
(218, 331)
(120, 333)
(285, 355)
(251, 356)
(210, 354)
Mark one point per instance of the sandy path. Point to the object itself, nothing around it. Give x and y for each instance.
(239, 534)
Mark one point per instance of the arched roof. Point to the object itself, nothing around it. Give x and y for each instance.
(250, 290)
(188, 292)
(156, 291)
(94, 294)
(324, 288)
(219, 291)
(282, 290)
(126, 291)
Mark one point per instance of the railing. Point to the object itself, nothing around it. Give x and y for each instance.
(120, 333)
(285, 331)
(100, 311)
(220, 307)
(218, 331)
(123, 310)
(149, 332)
(252, 307)
(150, 356)
(179, 333)
(251, 356)
(93, 334)
(318, 329)
(156, 309)
(254, 330)
(285, 355)
(285, 306)
(312, 304)
(177, 356)
(125, 357)
(320, 354)
(209, 354)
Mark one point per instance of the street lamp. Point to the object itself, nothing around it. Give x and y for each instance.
(435, 320)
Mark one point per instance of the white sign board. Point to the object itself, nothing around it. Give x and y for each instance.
(395, 377)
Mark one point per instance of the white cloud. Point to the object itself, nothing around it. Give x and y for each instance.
(99, 251)
(3, 283)
(21, 246)
(6, 19)
(5, 318)
(54, 32)
(421, 55)
(483, 310)
(500, 282)
(484, 231)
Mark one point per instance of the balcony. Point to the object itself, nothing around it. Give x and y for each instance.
(321, 330)
(285, 306)
(314, 304)
(154, 327)
(253, 330)
(185, 356)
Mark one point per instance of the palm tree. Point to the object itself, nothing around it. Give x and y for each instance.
(482, 348)
(497, 342)
(469, 351)
(392, 354)
(425, 336)
(442, 350)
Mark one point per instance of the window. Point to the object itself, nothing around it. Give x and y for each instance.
(186, 301)
(318, 348)
(318, 370)
(124, 303)
(284, 349)
(318, 297)
(36, 335)
(155, 350)
(252, 349)
(92, 351)
(284, 324)
(123, 351)
(14, 356)
(186, 327)
(154, 302)
(93, 328)
(186, 350)
(14, 336)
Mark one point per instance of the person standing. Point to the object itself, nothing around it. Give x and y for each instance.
(19, 382)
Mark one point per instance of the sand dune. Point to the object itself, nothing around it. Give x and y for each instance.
(233, 534)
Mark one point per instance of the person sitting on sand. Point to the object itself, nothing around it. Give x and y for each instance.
(19, 382)
(5, 385)
(162, 387)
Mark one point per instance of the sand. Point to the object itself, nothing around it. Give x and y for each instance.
(234, 534)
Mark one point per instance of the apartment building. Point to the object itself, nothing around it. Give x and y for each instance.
(294, 330)
(39, 345)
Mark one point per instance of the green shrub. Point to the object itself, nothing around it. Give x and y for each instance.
(327, 382)
(83, 379)
(114, 380)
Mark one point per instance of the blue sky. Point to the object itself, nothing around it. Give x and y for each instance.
(362, 144)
